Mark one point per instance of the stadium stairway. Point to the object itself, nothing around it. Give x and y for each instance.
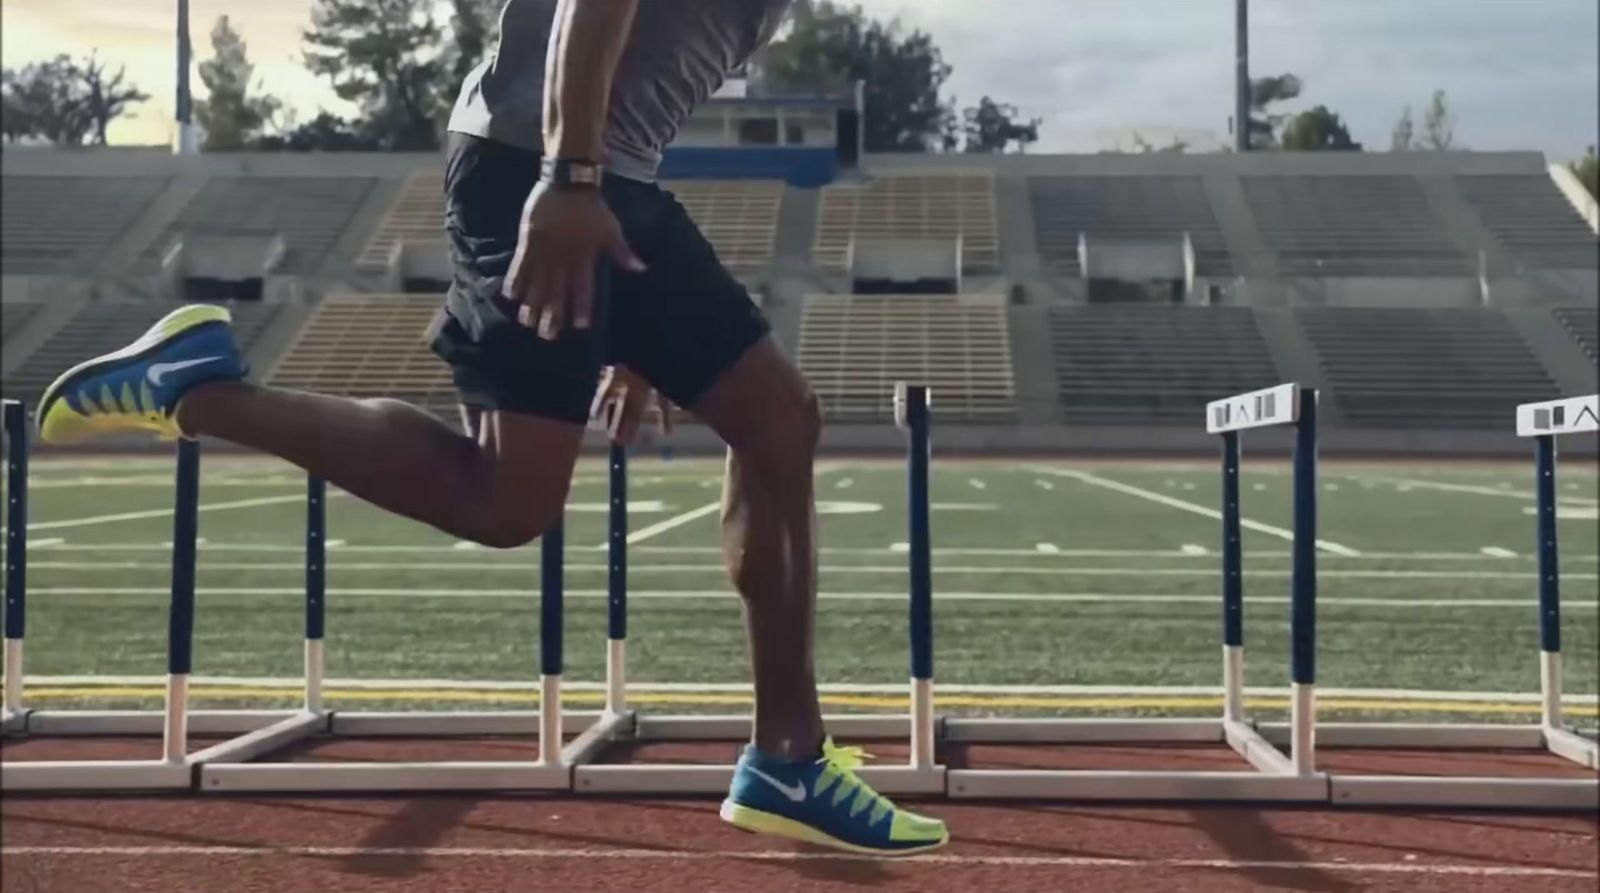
(1561, 355)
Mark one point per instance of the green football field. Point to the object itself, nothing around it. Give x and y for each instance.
(1059, 587)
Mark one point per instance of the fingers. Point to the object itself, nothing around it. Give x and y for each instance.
(602, 397)
(581, 296)
(625, 426)
(621, 253)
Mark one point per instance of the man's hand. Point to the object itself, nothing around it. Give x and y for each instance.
(620, 404)
(564, 232)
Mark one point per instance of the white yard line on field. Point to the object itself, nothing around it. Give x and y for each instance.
(1184, 505)
(167, 512)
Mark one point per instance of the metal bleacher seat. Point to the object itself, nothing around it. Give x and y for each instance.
(1533, 220)
(416, 216)
(738, 217)
(910, 207)
(1152, 364)
(855, 348)
(367, 346)
(14, 315)
(311, 213)
(1353, 226)
(103, 326)
(1155, 208)
(64, 224)
(1424, 368)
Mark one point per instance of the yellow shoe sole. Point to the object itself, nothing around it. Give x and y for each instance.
(759, 822)
(59, 423)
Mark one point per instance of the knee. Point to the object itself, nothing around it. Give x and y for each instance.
(789, 436)
(514, 527)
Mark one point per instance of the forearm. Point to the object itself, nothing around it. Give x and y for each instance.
(588, 41)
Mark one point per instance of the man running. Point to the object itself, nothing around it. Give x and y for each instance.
(568, 257)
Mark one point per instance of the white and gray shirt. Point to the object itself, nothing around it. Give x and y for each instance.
(679, 53)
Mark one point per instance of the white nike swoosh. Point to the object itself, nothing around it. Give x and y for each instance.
(795, 792)
(159, 370)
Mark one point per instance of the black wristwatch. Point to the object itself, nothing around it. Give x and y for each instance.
(570, 173)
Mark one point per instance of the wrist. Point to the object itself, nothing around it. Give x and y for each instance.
(571, 173)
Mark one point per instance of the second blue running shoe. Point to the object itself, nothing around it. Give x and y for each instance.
(138, 387)
(825, 802)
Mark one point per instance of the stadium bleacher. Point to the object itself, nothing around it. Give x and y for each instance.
(908, 207)
(738, 217)
(366, 346)
(1353, 226)
(1584, 324)
(1148, 364)
(1125, 207)
(61, 224)
(103, 326)
(310, 212)
(417, 215)
(855, 348)
(1420, 368)
(1533, 220)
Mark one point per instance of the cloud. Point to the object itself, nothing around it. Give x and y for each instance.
(1520, 73)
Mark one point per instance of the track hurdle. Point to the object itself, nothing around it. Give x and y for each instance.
(173, 770)
(919, 775)
(551, 771)
(1543, 422)
(1275, 775)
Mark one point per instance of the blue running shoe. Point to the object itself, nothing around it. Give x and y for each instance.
(138, 387)
(825, 802)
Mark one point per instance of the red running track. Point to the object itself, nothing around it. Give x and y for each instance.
(506, 844)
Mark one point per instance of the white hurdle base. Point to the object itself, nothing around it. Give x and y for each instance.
(696, 779)
(1467, 792)
(740, 728)
(1274, 778)
(75, 723)
(95, 775)
(13, 722)
(1028, 784)
(384, 777)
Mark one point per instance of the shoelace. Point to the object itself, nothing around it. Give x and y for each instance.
(841, 763)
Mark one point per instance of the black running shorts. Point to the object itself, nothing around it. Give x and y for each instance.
(680, 324)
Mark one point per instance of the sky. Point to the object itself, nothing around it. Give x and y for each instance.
(1520, 74)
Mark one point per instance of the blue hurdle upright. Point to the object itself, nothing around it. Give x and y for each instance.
(1272, 774)
(1543, 422)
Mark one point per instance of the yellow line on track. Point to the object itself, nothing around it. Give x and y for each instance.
(892, 702)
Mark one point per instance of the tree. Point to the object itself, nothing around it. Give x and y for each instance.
(324, 133)
(1265, 92)
(1145, 147)
(1587, 170)
(1438, 125)
(384, 56)
(992, 127)
(63, 102)
(472, 22)
(1404, 135)
(827, 47)
(232, 119)
(1319, 129)
(106, 98)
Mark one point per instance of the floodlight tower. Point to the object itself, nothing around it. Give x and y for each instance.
(184, 142)
(1241, 87)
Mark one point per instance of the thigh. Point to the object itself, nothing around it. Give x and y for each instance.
(685, 321)
(497, 363)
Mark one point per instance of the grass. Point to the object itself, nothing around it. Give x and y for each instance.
(1045, 574)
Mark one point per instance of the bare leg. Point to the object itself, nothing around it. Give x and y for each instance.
(770, 418)
(503, 488)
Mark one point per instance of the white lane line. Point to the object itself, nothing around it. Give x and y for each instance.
(845, 483)
(1404, 484)
(46, 542)
(335, 544)
(977, 484)
(1497, 552)
(834, 570)
(461, 546)
(1047, 549)
(950, 860)
(865, 688)
(893, 597)
(1043, 484)
(1185, 505)
(1193, 549)
(167, 513)
(676, 521)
